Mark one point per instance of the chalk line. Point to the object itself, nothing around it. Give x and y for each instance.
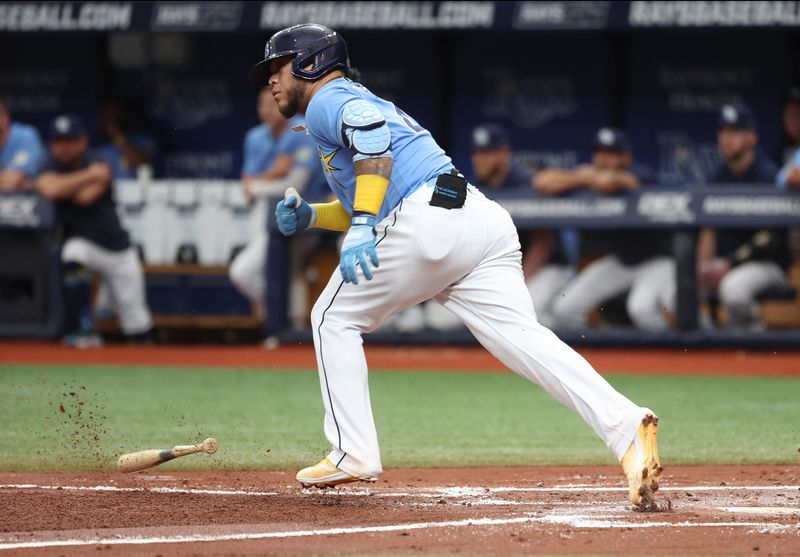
(577, 521)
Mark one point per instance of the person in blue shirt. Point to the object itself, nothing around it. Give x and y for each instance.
(275, 151)
(127, 150)
(21, 153)
(637, 268)
(789, 175)
(94, 240)
(275, 156)
(790, 125)
(738, 263)
(415, 229)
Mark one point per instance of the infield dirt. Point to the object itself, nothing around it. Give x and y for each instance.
(715, 510)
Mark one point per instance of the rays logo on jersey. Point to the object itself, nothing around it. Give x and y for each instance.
(329, 168)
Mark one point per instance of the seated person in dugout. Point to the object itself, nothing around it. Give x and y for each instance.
(129, 151)
(94, 240)
(637, 262)
(21, 153)
(739, 263)
(545, 263)
(275, 157)
(790, 125)
(789, 176)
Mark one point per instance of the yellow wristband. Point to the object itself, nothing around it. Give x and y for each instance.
(370, 191)
(331, 216)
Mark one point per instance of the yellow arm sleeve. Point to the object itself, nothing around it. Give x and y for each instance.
(370, 191)
(331, 216)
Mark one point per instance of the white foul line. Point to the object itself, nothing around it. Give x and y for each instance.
(576, 521)
(114, 488)
(762, 510)
(423, 491)
(590, 488)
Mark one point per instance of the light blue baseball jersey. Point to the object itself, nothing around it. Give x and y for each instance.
(261, 149)
(23, 150)
(784, 173)
(112, 154)
(417, 157)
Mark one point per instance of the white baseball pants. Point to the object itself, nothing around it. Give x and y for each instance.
(740, 286)
(468, 259)
(122, 272)
(545, 287)
(651, 284)
(248, 269)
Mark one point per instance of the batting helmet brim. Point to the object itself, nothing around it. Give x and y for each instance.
(259, 74)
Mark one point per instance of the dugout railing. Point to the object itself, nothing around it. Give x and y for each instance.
(683, 210)
(213, 221)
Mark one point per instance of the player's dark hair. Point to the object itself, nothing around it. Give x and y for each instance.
(353, 74)
(3, 106)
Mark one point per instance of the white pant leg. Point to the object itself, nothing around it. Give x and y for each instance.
(471, 256)
(248, 269)
(601, 280)
(495, 304)
(544, 286)
(653, 292)
(740, 286)
(422, 250)
(123, 273)
(102, 300)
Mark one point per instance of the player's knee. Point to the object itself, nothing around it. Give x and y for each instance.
(317, 314)
(732, 292)
(565, 315)
(327, 317)
(239, 273)
(645, 313)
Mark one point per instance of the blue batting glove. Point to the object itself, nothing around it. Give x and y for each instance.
(359, 244)
(293, 214)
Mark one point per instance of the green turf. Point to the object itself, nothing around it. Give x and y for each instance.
(273, 419)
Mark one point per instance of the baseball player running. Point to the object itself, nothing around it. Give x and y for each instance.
(415, 230)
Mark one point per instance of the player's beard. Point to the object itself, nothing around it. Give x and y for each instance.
(293, 98)
(736, 157)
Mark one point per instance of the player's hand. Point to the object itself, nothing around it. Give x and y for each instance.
(11, 180)
(358, 248)
(293, 213)
(101, 172)
(711, 273)
(605, 181)
(793, 177)
(585, 175)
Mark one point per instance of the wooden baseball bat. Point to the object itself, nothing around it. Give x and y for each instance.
(133, 462)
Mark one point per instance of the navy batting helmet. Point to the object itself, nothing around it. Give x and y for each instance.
(310, 44)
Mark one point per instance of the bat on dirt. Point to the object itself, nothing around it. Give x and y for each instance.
(133, 462)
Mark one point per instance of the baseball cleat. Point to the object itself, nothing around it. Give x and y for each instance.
(326, 474)
(641, 464)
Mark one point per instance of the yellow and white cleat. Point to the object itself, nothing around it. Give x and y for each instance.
(641, 464)
(326, 474)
